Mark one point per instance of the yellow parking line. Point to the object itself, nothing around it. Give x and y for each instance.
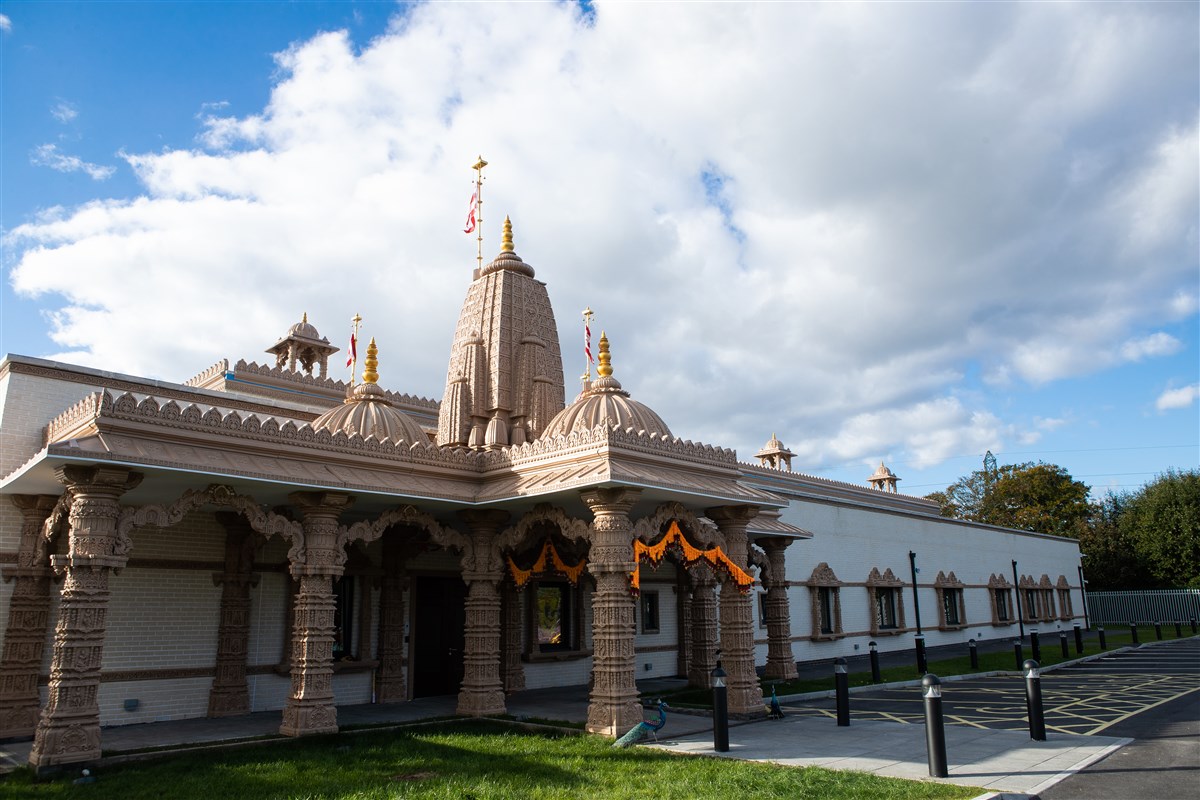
(1144, 708)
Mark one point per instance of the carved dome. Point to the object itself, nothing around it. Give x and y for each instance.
(367, 411)
(306, 329)
(883, 473)
(604, 402)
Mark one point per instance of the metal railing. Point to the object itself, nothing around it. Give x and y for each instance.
(1151, 605)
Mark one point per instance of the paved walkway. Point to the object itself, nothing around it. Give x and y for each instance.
(998, 760)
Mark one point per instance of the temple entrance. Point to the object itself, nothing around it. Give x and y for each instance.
(438, 640)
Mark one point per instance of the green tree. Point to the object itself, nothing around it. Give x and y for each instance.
(1161, 524)
(1031, 496)
(1111, 561)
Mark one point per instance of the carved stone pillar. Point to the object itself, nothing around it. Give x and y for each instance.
(683, 611)
(230, 695)
(613, 707)
(510, 639)
(737, 614)
(69, 730)
(28, 620)
(781, 663)
(482, 689)
(390, 684)
(704, 627)
(310, 709)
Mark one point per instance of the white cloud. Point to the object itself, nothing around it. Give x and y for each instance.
(1182, 397)
(906, 190)
(48, 155)
(5, 23)
(63, 111)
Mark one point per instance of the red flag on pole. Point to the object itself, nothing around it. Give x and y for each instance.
(352, 350)
(474, 206)
(587, 341)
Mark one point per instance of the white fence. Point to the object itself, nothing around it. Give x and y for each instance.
(1152, 605)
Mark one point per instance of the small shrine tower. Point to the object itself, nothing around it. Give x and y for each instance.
(884, 479)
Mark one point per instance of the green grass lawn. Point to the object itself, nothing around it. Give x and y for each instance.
(478, 759)
(1116, 636)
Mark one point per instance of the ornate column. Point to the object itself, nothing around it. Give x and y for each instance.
(613, 707)
(28, 620)
(704, 627)
(781, 663)
(390, 685)
(310, 707)
(683, 610)
(510, 639)
(737, 614)
(482, 689)
(69, 730)
(230, 695)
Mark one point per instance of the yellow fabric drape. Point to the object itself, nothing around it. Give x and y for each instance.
(522, 576)
(714, 557)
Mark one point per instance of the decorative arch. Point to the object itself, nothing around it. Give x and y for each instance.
(264, 522)
(703, 531)
(368, 531)
(713, 557)
(548, 559)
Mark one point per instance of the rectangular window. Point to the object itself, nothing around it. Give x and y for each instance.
(885, 608)
(1030, 604)
(762, 609)
(1002, 612)
(552, 617)
(649, 612)
(825, 597)
(951, 598)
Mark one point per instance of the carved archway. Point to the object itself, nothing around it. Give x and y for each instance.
(700, 530)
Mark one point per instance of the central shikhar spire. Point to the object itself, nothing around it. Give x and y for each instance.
(505, 380)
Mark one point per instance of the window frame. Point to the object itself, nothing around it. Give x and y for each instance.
(823, 585)
(645, 601)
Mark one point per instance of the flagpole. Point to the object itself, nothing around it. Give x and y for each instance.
(479, 165)
(587, 347)
(352, 362)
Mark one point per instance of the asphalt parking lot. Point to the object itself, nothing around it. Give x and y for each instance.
(1150, 694)
(1085, 698)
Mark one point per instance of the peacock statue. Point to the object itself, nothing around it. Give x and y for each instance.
(644, 729)
(776, 711)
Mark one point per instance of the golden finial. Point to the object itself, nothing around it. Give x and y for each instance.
(305, 319)
(370, 363)
(480, 164)
(507, 246)
(605, 368)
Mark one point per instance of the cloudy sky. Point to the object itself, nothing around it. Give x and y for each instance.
(910, 232)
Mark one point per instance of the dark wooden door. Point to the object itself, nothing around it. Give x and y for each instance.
(439, 617)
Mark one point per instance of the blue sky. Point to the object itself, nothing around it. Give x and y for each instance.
(909, 232)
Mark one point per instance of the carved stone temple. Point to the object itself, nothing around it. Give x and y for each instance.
(265, 537)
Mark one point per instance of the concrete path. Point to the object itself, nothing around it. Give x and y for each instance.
(998, 760)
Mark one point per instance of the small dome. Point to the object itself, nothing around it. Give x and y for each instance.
(883, 473)
(604, 402)
(305, 329)
(367, 411)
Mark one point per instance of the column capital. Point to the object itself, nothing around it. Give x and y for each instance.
(617, 500)
(97, 478)
(773, 544)
(321, 504)
(34, 505)
(484, 519)
(731, 516)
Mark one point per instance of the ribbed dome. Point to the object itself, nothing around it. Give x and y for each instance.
(604, 402)
(305, 329)
(367, 411)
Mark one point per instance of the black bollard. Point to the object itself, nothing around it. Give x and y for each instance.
(876, 676)
(1078, 639)
(1035, 645)
(1018, 653)
(973, 649)
(1103, 641)
(1033, 701)
(1158, 631)
(841, 684)
(1193, 624)
(935, 726)
(1178, 629)
(720, 711)
(1133, 632)
(1062, 641)
(922, 664)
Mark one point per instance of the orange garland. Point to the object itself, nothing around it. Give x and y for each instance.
(715, 558)
(522, 576)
